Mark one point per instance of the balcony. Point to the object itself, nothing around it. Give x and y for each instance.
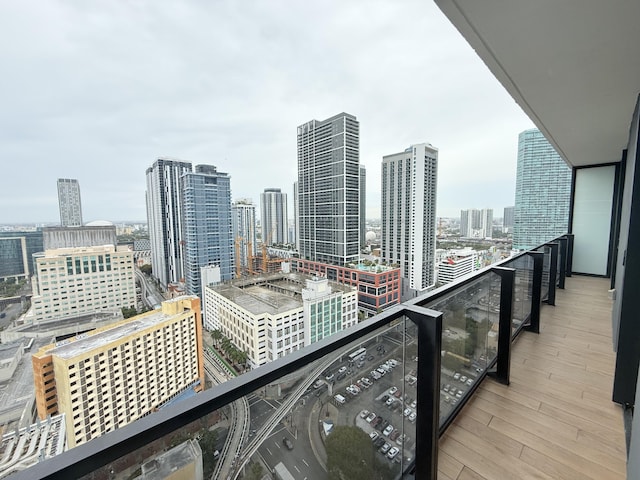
(473, 380)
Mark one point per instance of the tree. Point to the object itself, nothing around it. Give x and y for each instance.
(352, 456)
(128, 312)
(216, 336)
(146, 269)
(208, 440)
(256, 472)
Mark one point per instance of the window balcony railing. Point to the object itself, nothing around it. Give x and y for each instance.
(422, 361)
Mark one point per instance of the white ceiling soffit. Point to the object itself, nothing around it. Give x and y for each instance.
(573, 66)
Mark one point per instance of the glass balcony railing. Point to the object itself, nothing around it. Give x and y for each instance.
(361, 402)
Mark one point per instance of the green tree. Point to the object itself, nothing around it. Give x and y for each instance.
(146, 269)
(352, 456)
(256, 472)
(216, 336)
(128, 312)
(208, 440)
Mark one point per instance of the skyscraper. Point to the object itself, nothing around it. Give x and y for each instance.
(208, 232)
(273, 216)
(476, 223)
(69, 202)
(409, 183)
(243, 215)
(329, 189)
(508, 219)
(363, 206)
(543, 190)
(164, 218)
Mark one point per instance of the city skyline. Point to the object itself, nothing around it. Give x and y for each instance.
(102, 107)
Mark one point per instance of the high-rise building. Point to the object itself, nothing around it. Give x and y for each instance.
(165, 217)
(77, 281)
(409, 183)
(543, 190)
(363, 206)
(109, 377)
(329, 189)
(269, 316)
(243, 214)
(476, 223)
(274, 217)
(207, 225)
(296, 216)
(69, 202)
(508, 219)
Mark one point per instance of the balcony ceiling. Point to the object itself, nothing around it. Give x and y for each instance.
(572, 66)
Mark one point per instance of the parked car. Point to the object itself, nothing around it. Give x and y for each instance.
(384, 398)
(374, 435)
(370, 417)
(342, 369)
(393, 390)
(341, 376)
(456, 376)
(412, 417)
(393, 451)
(364, 413)
(387, 431)
(385, 448)
(378, 442)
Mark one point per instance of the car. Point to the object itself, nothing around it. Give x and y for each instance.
(393, 362)
(342, 369)
(414, 404)
(384, 398)
(393, 451)
(380, 347)
(398, 394)
(341, 376)
(384, 425)
(375, 375)
(412, 417)
(381, 371)
(387, 431)
(447, 398)
(390, 401)
(456, 376)
(329, 377)
(395, 434)
(378, 442)
(376, 421)
(459, 394)
(367, 381)
(447, 387)
(364, 413)
(356, 388)
(287, 443)
(374, 435)
(318, 384)
(370, 417)
(371, 358)
(401, 439)
(407, 412)
(385, 448)
(470, 381)
(393, 390)
(359, 384)
(463, 378)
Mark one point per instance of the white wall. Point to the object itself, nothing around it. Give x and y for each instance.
(593, 200)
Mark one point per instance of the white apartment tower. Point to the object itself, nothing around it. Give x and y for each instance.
(243, 221)
(274, 217)
(409, 182)
(165, 219)
(476, 223)
(69, 202)
(328, 197)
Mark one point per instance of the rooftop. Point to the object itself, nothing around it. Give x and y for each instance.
(556, 418)
(270, 294)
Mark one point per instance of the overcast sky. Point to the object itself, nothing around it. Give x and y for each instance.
(98, 90)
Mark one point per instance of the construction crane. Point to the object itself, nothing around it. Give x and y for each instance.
(238, 258)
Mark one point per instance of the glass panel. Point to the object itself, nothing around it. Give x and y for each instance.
(522, 290)
(469, 337)
(546, 267)
(354, 410)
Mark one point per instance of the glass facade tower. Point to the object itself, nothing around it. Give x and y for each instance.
(207, 224)
(543, 190)
(328, 197)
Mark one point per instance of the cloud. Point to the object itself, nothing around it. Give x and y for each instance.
(98, 91)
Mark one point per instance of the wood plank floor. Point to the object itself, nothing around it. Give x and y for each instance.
(556, 419)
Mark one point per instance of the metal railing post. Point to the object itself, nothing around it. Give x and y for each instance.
(562, 260)
(507, 283)
(569, 263)
(536, 292)
(429, 323)
(553, 273)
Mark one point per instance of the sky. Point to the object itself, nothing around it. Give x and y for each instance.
(97, 91)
